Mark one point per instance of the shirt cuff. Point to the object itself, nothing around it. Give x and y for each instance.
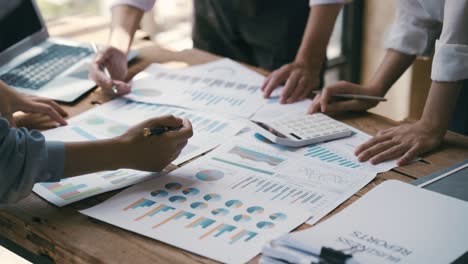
(450, 62)
(143, 5)
(55, 160)
(327, 2)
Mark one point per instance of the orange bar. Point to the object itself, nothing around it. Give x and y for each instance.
(148, 213)
(238, 234)
(195, 222)
(133, 204)
(211, 231)
(168, 219)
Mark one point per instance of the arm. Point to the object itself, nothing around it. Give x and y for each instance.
(303, 75)
(125, 21)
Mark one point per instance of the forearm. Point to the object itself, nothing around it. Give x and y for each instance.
(393, 65)
(440, 104)
(94, 156)
(317, 34)
(125, 21)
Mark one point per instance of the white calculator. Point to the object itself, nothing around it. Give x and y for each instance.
(301, 130)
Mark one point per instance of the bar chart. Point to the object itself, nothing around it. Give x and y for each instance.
(70, 191)
(327, 155)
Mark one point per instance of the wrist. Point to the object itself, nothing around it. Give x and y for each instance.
(433, 126)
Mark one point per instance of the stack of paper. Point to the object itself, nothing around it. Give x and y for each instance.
(391, 224)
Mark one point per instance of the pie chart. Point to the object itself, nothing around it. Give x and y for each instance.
(177, 199)
(95, 121)
(233, 203)
(209, 175)
(173, 186)
(255, 210)
(212, 197)
(147, 92)
(220, 211)
(242, 218)
(199, 205)
(159, 193)
(278, 217)
(265, 225)
(191, 191)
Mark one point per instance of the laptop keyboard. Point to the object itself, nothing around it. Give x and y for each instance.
(41, 69)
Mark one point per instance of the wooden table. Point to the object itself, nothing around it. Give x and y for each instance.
(67, 236)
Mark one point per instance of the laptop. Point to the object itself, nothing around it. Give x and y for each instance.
(33, 63)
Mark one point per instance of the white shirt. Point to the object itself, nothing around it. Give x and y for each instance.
(423, 24)
(146, 5)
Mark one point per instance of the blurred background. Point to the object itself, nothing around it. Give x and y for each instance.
(354, 53)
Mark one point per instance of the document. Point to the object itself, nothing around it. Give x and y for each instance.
(114, 118)
(339, 152)
(188, 209)
(222, 87)
(391, 224)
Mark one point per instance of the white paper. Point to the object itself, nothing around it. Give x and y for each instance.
(393, 224)
(224, 87)
(189, 209)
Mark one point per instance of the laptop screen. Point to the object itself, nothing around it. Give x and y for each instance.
(18, 20)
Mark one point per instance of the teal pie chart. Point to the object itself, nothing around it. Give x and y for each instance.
(191, 191)
(220, 211)
(159, 193)
(255, 210)
(233, 203)
(242, 218)
(177, 199)
(212, 197)
(265, 225)
(199, 205)
(173, 186)
(209, 175)
(278, 217)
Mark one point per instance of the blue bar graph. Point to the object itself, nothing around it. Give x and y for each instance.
(316, 151)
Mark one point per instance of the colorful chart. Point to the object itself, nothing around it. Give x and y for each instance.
(209, 175)
(147, 92)
(324, 154)
(265, 225)
(220, 211)
(199, 205)
(212, 197)
(162, 208)
(255, 210)
(278, 217)
(142, 202)
(69, 191)
(256, 156)
(191, 191)
(242, 218)
(159, 193)
(177, 199)
(173, 186)
(234, 203)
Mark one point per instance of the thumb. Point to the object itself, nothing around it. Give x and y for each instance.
(166, 120)
(10, 119)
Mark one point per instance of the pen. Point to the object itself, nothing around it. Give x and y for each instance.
(156, 131)
(356, 96)
(106, 72)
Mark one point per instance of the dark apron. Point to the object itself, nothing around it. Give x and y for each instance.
(263, 33)
(459, 122)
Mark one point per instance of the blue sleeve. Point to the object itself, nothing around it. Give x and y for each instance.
(25, 159)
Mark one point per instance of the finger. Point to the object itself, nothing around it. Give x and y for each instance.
(48, 110)
(122, 87)
(389, 154)
(98, 76)
(410, 155)
(339, 87)
(376, 149)
(309, 87)
(265, 82)
(289, 87)
(300, 88)
(278, 77)
(315, 105)
(52, 103)
(103, 55)
(371, 142)
(185, 132)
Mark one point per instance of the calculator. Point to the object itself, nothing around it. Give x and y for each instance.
(301, 130)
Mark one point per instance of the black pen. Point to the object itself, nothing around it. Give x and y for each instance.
(156, 131)
(356, 96)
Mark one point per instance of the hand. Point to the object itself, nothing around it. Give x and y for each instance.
(154, 153)
(405, 141)
(115, 61)
(12, 101)
(301, 79)
(324, 102)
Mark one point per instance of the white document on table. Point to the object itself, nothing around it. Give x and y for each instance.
(114, 118)
(272, 174)
(394, 223)
(223, 87)
(191, 209)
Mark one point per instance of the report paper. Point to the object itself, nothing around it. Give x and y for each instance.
(189, 210)
(394, 223)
